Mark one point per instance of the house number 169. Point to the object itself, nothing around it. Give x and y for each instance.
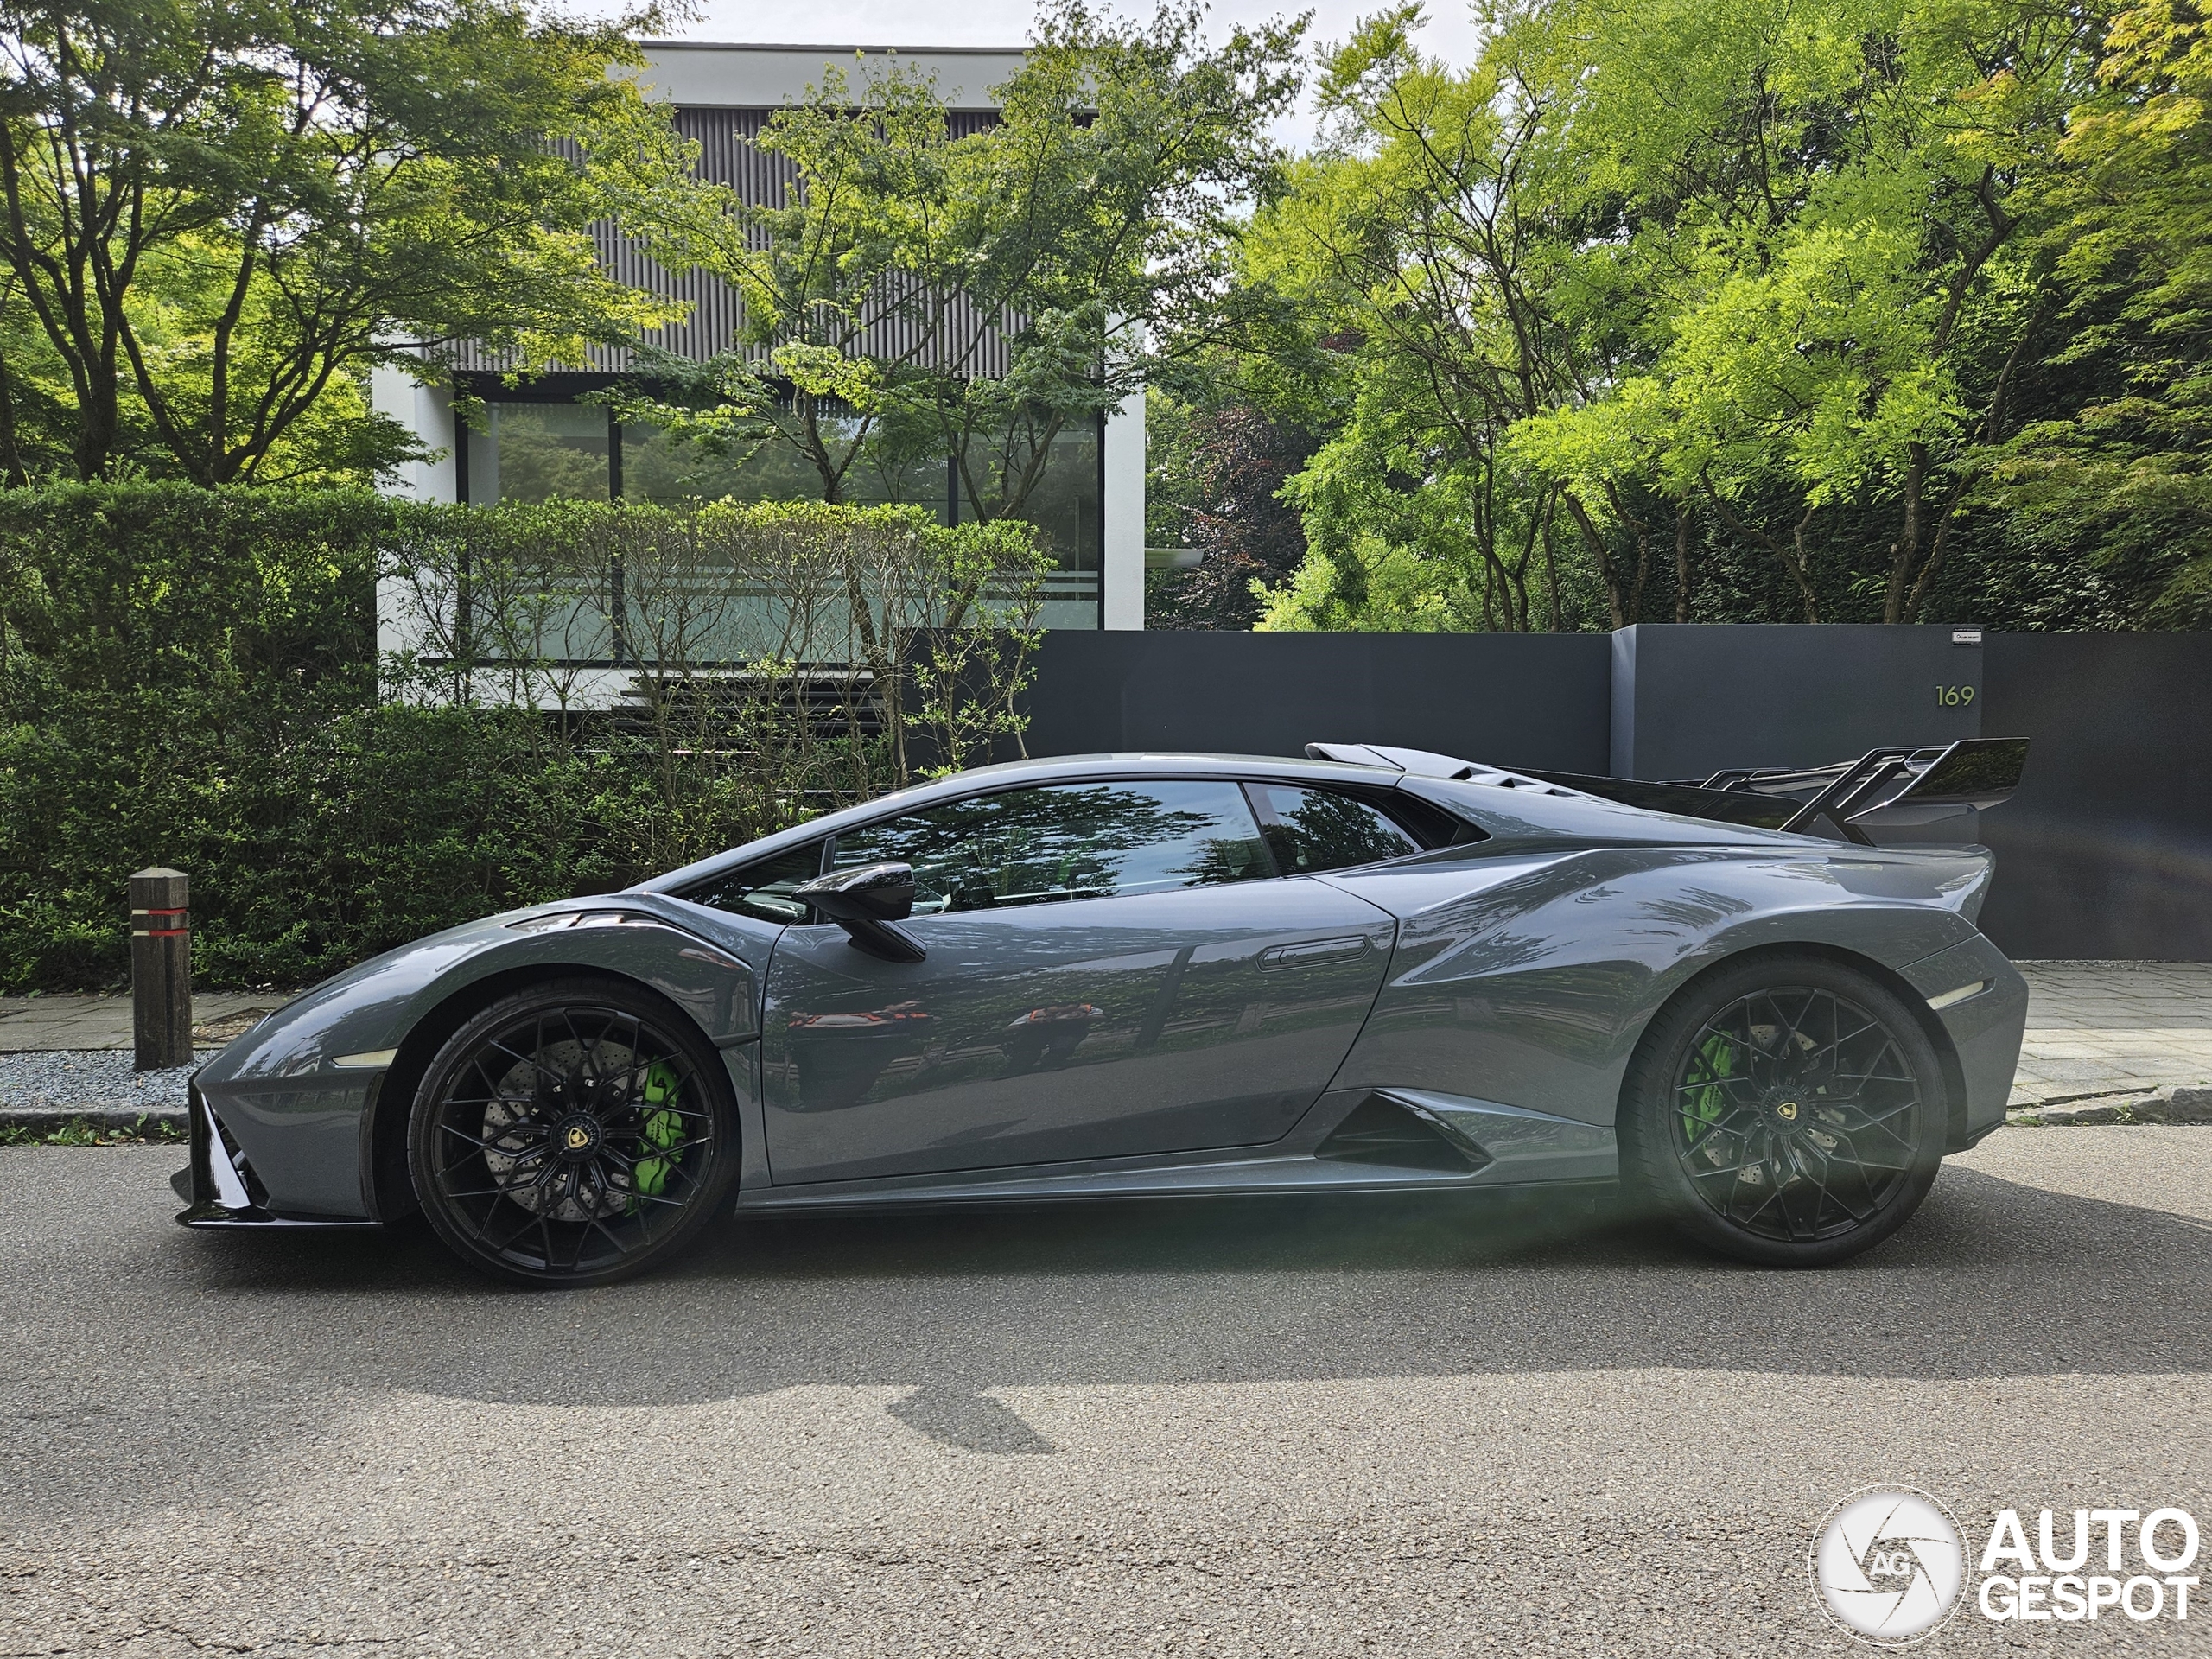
(1954, 696)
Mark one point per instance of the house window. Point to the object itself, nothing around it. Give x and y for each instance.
(659, 466)
(542, 449)
(1066, 504)
(540, 452)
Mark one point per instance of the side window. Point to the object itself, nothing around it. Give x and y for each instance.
(1311, 829)
(1068, 841)
(764, 890)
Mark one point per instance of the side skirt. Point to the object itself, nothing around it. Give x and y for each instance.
(1502, 1146)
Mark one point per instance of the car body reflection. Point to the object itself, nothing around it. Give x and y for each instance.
(841, 1055)
(1044, 1039)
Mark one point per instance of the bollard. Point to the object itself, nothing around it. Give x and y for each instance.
(161, 969)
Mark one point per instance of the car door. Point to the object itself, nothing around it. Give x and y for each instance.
(1113, 969)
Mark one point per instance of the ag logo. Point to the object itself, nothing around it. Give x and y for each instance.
(1888, 1564)
(579, 1138)
(1787, 1111)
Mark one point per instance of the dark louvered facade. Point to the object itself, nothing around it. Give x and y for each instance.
(728, 155)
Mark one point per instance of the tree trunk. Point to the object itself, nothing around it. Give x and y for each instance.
(1793, 556)
(1906, 549)
(1682, 560)
(1606, 572)
(18, 475)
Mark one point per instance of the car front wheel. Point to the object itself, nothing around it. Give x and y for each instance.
(572, 1134)
(1790, 1111)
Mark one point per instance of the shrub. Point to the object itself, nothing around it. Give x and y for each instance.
(192, 678)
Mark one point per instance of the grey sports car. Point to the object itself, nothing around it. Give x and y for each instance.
(1143, 975)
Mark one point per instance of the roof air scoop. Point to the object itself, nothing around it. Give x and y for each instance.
(1425, 763)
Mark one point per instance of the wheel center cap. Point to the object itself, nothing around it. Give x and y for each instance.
(1787, 1111)
(577, 1136)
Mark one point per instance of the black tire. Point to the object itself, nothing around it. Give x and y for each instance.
(1789, 1111)
(572, 1133)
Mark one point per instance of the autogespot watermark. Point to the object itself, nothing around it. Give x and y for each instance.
(1889, 1563)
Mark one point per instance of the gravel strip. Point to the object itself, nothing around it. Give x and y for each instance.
(48, 1087)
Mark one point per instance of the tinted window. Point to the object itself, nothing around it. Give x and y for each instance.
(1068, 841)
(1319, 830)
(764, 890)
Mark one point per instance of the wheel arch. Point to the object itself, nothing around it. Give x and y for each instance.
(388, 1187)
(1947, 1054)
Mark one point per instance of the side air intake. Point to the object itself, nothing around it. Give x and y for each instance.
(1380, 1130)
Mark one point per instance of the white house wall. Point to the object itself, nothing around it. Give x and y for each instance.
(704, 74)
(427, 412)
(1121, 554)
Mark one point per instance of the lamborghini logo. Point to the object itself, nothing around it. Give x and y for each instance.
(579, 1137)
(1787, 1111)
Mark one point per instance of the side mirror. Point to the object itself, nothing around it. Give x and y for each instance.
(867, 901)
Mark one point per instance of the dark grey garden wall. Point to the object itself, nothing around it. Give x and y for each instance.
(2105, 851)
(1689, 700)
(1513, 700)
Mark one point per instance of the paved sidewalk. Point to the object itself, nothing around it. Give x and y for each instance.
(2095, 1028)
(35, 1024)
(2113, 1028)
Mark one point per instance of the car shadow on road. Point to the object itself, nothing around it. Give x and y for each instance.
(1993, 1278)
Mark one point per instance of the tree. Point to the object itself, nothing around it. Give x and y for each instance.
(1804, 299)
(917, 292)
(1427, 247)
(213, 213)
(1248, 537)
(2123, 465)
(835, 319)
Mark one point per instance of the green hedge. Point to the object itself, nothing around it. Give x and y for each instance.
(191, 677)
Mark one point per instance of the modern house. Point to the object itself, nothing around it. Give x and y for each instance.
(538, 441)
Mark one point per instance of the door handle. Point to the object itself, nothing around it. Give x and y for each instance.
(1306, 952)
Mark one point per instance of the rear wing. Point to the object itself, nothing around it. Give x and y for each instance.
(1889, 788)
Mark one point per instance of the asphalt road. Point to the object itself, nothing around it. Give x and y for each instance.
(1328, 1426)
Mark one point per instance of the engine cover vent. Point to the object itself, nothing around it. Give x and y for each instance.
(1380, 1130)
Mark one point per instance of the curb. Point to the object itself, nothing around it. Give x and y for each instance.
(2180, 1103)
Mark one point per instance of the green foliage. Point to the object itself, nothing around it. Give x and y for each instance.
(1863, 310)
(83, 1132)
(2128, 471)
(191, 677)
(1419, 285)
(217, 214)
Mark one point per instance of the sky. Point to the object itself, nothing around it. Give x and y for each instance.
(1450, 33)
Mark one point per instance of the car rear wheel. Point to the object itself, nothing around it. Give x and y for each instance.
(1790, 1112)
(573, 1134)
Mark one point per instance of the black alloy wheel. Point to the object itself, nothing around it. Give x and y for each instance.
(572, 1134)
(1790, 1111)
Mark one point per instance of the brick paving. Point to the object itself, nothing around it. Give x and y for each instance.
(2094, 1027)
(2113, 1028)
(36, 1024)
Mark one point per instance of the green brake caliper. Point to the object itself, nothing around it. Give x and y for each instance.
(664, 1131)
(1705, 1105)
